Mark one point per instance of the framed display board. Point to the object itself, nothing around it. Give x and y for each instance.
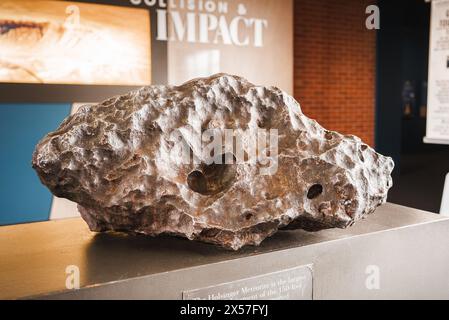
(438, 85)
(59, 51)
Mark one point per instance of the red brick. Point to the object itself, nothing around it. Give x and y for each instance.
(334, 68)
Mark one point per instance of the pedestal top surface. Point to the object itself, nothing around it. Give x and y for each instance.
(34, 256)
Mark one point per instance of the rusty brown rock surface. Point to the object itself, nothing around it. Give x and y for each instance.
(115, 159)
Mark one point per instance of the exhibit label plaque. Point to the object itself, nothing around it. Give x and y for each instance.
(289, 284)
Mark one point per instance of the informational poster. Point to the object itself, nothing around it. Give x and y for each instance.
(438, 84)
(249, 38)
(63, 42)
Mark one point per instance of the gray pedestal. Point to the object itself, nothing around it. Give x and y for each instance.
(398, 252)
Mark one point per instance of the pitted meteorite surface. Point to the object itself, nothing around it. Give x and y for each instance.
(115, 160)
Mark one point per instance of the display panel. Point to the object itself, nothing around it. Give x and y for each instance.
(251, 38)
(60, 42)
(438, 87)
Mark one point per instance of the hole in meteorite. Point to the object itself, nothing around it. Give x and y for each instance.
(314, 191)
(328, 135)
(197, 182)
(212, 179)
(248, 215)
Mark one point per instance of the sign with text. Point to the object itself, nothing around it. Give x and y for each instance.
(289, 284)
(249, 38)
(438, 84)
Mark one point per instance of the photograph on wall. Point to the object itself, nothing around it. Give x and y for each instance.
(61, 42)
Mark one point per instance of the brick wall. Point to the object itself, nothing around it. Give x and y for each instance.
(334, 69)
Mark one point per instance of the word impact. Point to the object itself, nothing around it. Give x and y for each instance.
(206, 21)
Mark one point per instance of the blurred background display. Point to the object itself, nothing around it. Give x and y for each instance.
(73, 43)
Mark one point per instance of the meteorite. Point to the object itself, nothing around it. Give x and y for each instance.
(216, 159)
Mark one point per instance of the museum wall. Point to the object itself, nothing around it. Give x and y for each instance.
(334, 65)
